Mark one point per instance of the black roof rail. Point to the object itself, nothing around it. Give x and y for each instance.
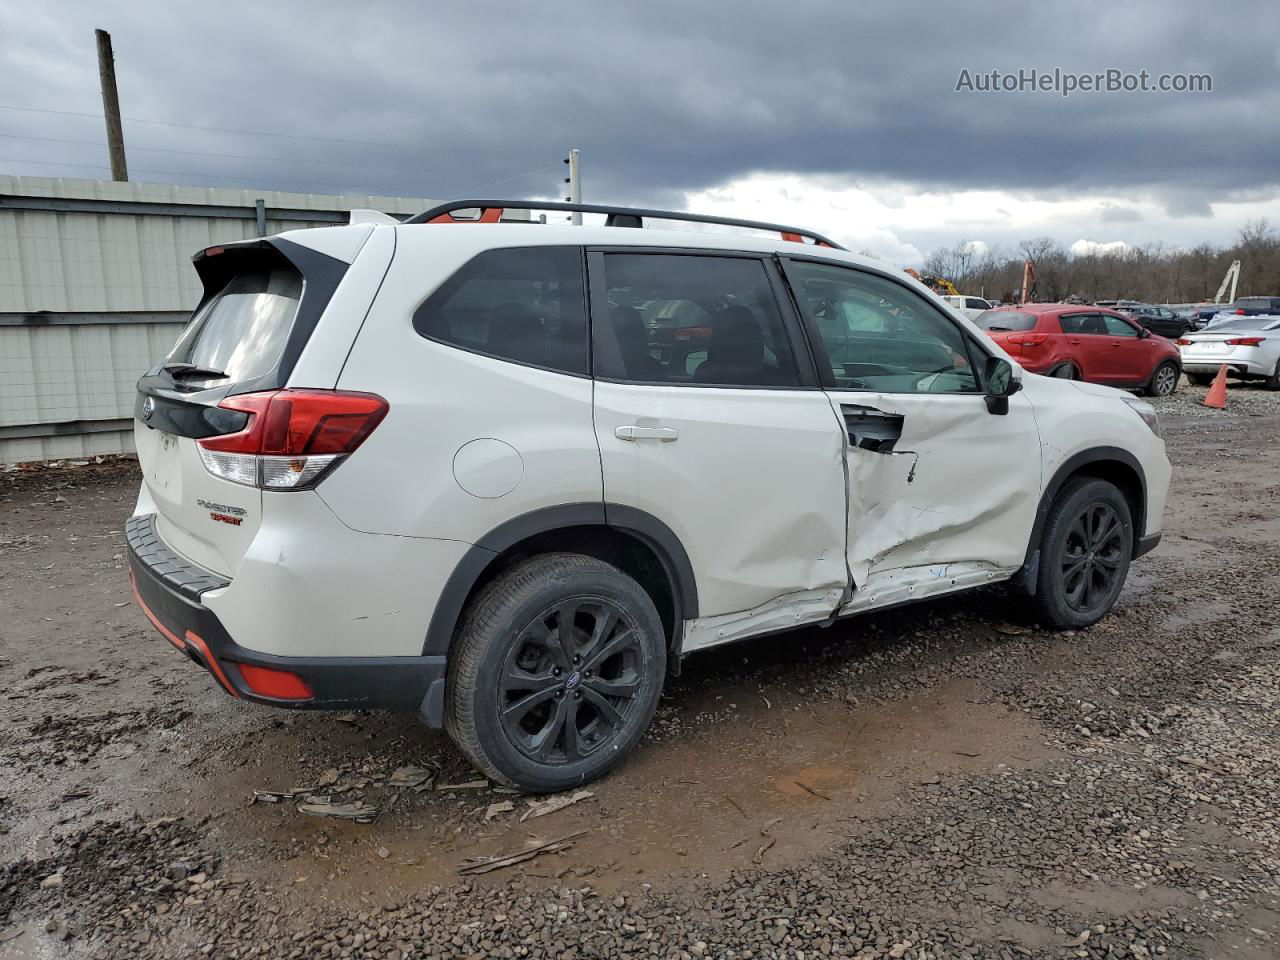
(491, 211)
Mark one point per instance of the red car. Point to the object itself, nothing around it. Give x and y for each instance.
(1085, 343)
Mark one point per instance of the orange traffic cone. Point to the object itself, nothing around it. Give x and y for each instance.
(1217, 395)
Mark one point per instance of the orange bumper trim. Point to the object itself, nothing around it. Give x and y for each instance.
(191, 639)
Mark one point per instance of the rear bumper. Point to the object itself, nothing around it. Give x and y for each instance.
(167, 590)
(1233, 364)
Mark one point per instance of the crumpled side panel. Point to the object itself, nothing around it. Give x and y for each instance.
(959, 485)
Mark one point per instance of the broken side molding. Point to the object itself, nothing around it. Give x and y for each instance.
(781, 613)
(889, 588)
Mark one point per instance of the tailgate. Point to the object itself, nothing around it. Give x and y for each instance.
(243, 338)
(208, 520)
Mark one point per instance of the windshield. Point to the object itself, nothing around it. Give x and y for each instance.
(242, 330)
(998, 321)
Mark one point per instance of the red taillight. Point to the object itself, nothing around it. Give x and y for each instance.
(292, 437)
(1183, 342)
(277, 684)
(1245, 341)
(1027, 339)
(1239, 313)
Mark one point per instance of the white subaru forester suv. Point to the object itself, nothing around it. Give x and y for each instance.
(507, 475)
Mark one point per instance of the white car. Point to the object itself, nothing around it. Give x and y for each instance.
(968, 306)
(1249, 347)
(507, 476)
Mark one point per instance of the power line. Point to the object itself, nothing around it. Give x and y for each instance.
(190, 153)
(191, 126)
(243, 177)
(284, 184)
(198, 153)
(518, 176)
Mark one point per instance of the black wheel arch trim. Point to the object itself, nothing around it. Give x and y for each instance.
(1026, 577)
(643, 526)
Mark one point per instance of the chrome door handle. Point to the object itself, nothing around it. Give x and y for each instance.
(632, 432)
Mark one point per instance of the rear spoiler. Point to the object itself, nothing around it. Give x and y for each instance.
(364, 215)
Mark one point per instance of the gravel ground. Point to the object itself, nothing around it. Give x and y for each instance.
(946, 780)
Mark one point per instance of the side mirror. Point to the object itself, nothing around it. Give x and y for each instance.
(1143, 333)
(1001, 385)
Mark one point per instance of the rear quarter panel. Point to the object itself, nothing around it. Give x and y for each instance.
(535, 425)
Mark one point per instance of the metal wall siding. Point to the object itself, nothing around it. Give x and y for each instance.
(58, 374)
(115, 260)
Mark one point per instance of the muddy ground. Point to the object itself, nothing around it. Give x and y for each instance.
(941, 781)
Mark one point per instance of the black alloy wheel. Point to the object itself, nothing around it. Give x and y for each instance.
(1092, 557)
(571, 680)
(1084, 553)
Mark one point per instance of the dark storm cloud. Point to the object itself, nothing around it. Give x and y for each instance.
(661, 96)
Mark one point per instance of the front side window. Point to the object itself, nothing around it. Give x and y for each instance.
(1119, 328)
(694, 320)
(881, 336)
(525, 304)
(975, 304)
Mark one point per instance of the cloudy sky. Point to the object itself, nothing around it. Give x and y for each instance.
(837, 115)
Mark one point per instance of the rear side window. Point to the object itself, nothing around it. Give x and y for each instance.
(243, 328)
(525, 304)
(1083, 323)
(1000, 321)
(694, 320)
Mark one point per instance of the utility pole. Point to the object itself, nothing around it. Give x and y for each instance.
(111, 106)
(574, 180)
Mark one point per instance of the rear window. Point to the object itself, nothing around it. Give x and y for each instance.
(999, 321)
(526, 305)
(1243, 323)
(243, 328)
(1254, 303)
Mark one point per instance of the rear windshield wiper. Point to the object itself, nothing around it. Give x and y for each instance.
(194, 370)
(1001, 329)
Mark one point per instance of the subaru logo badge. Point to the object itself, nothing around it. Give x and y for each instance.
(573, 680)
(148, 408)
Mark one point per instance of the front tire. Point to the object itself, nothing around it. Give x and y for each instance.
(555, 673)
(1084, 554)
(1164, 381)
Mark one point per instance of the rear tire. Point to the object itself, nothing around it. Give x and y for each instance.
(543, 707)
(1164, 381)
(1084, 554)
(1067, 371)
(1200, 379)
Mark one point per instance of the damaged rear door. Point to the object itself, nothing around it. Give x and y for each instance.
(942, 492)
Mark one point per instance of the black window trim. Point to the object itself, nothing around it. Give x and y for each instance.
(819, 347)
(602, 336)
(582, 265)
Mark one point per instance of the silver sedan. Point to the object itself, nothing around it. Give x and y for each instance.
(1249, 347)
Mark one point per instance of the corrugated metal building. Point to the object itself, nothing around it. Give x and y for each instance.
(95, 284)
